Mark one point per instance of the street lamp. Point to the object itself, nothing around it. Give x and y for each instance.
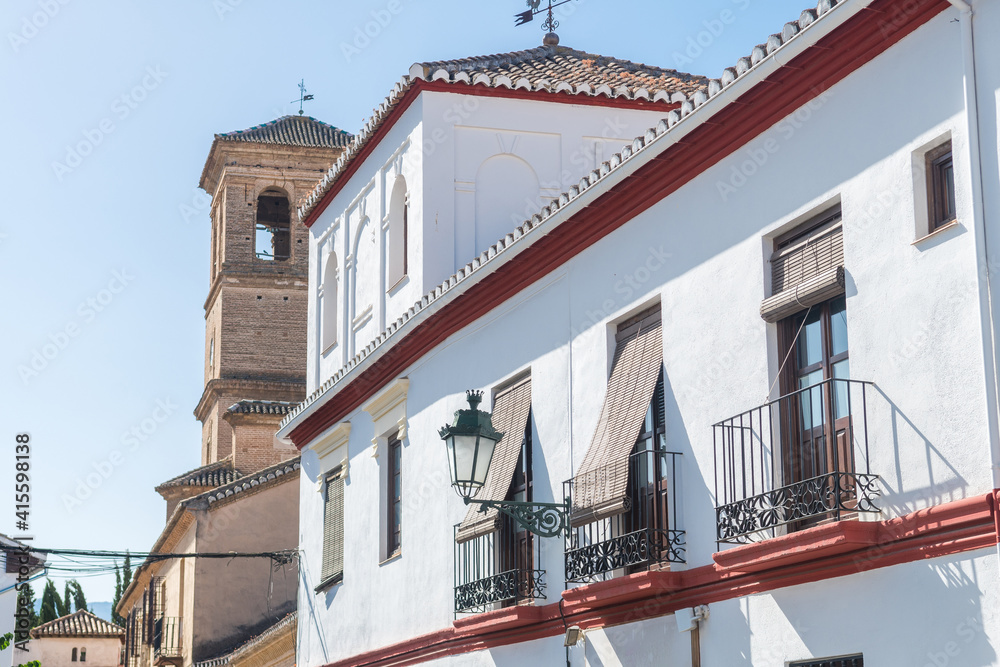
(470, 442)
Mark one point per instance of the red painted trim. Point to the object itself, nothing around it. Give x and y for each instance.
(461, 88)
(844, 50)
(952, 528)
(829, 540)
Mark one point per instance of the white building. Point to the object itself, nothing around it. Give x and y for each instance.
(20, 567)
(755, 347)
(80, 639)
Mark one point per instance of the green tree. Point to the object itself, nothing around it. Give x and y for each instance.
(67, 598)
(123, 577)
(79, 599)
(51, 604)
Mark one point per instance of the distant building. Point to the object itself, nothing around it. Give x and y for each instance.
(244, 496)
(80, 639)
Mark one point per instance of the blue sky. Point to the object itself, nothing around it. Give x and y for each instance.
(109, 110)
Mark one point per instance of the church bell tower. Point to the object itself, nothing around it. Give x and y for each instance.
(255, 313)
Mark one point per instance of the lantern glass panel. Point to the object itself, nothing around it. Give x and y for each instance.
(464, 457)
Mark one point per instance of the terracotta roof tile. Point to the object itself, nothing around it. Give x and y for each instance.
(292, 131)
(548, 67)
(213, 474)
(264, 477)
(78, 624)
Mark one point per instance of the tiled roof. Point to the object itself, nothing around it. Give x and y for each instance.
(291, 131)
(285, 624)
(650, 141)
(213, 474)
(248, 482)
(562, 69)
(214, 662)
(261, 408)
(78, 624)
(551, 69)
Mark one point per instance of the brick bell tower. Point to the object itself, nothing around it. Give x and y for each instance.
(255, 313)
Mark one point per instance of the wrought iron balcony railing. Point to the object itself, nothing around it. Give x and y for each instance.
(794, 462)
(499, 568)
(167, 640)
(644, 535)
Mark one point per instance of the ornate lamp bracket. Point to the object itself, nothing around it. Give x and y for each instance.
(542, 519)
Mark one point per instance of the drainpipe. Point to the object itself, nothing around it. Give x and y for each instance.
(979, 220)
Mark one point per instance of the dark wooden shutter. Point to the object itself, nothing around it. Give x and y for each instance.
(333, 527)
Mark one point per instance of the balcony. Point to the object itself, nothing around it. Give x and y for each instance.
(795, 462)
(641, 536)
(167, 640)
(497, 569)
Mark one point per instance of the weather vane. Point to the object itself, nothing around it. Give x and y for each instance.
(549, 24)
(303, 97)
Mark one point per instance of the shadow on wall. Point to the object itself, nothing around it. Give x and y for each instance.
(946, 605)
(902, 496)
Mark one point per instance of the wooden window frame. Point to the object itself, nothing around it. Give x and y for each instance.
(940, 202)
(394, 502)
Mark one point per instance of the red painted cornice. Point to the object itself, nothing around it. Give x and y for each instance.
(860, 39)
(461, 88)
(800, 558)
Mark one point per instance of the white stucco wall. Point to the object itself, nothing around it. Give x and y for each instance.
(915, 328)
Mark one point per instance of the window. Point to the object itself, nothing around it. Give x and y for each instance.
(845, 661)
(398, 251)
(333, 529)
(272, 239)
(395, 497)
(619, 514)
(328, 302)
(515, 551)
(807, 266)
(211, 355)
(815, 341)
(74, 654)
(940, 186)
(83, 655)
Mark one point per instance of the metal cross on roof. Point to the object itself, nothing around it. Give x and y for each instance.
(549, 24)
(303, 97)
